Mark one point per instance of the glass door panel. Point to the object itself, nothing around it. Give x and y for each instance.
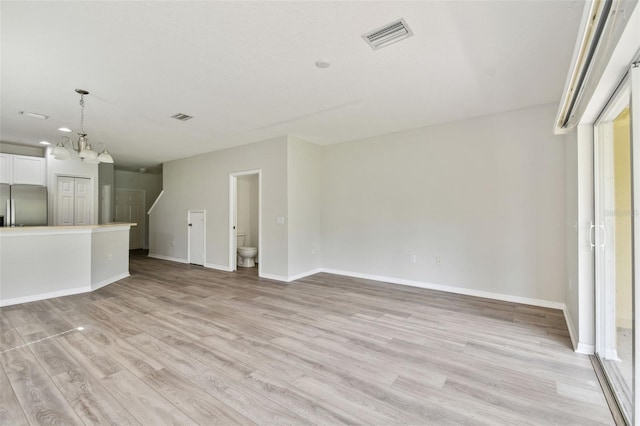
(613, 235)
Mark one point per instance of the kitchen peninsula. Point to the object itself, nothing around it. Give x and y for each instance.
(42, 262)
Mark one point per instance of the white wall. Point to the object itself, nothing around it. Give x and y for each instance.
(33, 265)
(109, 255)
(202, 182)
(304, 186)
(485, 196)
(73, 167)
(42, 262)
(150, 183)
(248, 209)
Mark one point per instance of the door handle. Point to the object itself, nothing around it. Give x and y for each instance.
(190, 224)
(591, 235)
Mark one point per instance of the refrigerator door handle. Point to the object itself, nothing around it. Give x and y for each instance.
(13, 212)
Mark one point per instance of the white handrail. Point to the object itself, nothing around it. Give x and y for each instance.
(155, 202)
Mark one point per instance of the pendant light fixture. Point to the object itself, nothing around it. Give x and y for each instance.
(83, 148)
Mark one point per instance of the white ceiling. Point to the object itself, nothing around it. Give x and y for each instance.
(246, 70)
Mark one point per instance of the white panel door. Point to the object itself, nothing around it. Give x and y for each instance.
(196, 237)
(83, 201)
(74, 201)
(121, 208)
(136, 215)
(130, 208)
(65, 201)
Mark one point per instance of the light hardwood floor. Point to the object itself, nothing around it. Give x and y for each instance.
(179, 344)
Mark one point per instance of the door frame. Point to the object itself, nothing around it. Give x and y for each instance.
(204, 240)
(143, 214)
(604, 234)
(627, 93)
(635, 201)
(233, 218)
(53, 194)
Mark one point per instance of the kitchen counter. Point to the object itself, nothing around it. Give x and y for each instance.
(50, 229)
(42, 262)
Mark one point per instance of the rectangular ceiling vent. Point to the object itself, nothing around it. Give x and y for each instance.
(388, 34)
(182, 117)
(34, 115)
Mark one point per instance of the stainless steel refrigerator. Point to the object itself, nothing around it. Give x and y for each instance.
(23, 205)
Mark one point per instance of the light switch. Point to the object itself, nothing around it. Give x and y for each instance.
(280, 220)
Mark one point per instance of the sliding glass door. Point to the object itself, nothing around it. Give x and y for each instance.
(614, 243)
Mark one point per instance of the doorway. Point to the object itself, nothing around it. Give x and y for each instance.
(614, 244)
(196, 236)
(130, 208)
(245, 215)
(74, 201)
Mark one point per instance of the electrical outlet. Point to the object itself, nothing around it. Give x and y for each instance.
(412, 258)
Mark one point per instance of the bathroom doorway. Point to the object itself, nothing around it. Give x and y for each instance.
(245, 221)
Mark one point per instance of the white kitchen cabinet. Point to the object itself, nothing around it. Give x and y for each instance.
(6, 168)
(23, 170)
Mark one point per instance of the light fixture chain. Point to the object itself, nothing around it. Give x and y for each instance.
(82, 114)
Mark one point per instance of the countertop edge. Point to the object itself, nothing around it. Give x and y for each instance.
(49, 230)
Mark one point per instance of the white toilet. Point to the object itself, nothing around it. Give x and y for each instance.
(246, 255)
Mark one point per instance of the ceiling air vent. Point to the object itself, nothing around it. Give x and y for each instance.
(388, 34)
(34, 115)
(182, 117)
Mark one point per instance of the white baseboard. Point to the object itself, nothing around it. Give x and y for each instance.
(282, 278)
(218, 267)
(304, 274)
(163, 257)
(578, 347)
(109, 280)
(62, 293)
(586, 349)
(43, 296)
(571, 328)
(450, 289)
(289, 278)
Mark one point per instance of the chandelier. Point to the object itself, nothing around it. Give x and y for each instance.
(62, 150)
